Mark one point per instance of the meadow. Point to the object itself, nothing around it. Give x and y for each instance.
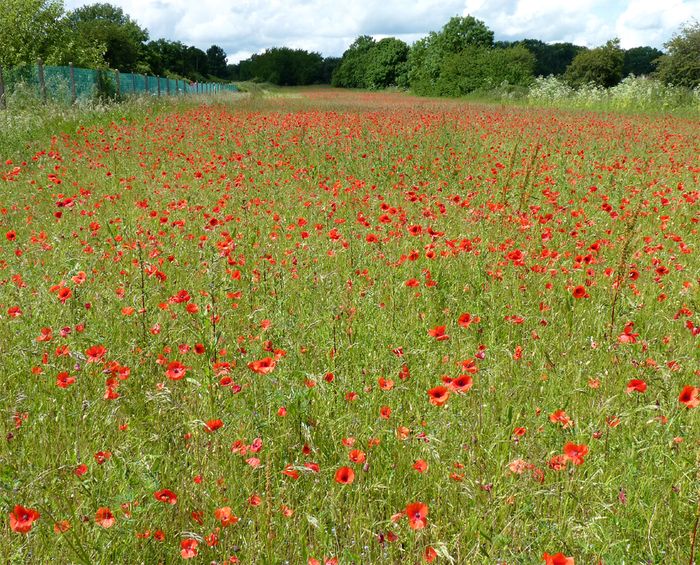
(350, 327)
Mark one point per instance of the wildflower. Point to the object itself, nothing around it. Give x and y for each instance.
(22, 519)
(104, 517)
(575, 453)
(690, 396)
(166, 495)
(263, 366)
(417, 513)
(188, 548)
(636, 385)
(438, 395)
(344, 476)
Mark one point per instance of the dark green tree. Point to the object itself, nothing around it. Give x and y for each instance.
(428, 55)
(387, 64)
(351, 71)
(551, 59)
(481, 68)
(681, 64)
(216, 59)
(640, 61)
(601, 66)
(108, 25)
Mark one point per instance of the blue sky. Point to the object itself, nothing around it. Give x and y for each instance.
(244, 27)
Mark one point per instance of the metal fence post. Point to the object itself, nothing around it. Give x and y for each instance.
(158, 81)
(2, 91)
(42, 81)
(167, 86)
(117, 83)
(71, 73)
(146, 80)
(133, 83)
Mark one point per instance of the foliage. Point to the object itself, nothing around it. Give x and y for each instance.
(601, 66)
(282, 66)
(374, 65)
(108, 25)
(681, 65)
(216, 61)
(550, 59)
(640, 61)
(351, 71)
(637, 94)
(435, 54)
(480, 68)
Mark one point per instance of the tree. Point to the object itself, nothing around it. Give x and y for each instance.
(681, 65)
(640, 61)
(462, 32)
(601, 66)
(122, 37)
(551, 59)
(216, 59)
(481, 68)
(351, 71)
(386, 64)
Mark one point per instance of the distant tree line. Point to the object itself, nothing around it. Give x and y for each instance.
(98, 36)
(463, 57)
(460, 58)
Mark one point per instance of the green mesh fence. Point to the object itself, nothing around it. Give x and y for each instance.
(40, 83)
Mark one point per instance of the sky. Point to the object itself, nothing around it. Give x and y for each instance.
(244, 27)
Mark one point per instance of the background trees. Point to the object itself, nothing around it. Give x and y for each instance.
(681, 65)
(108, 25)
(602, 66)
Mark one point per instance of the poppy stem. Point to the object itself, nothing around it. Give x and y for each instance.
(694, 536)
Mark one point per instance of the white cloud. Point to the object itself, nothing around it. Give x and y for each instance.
(243, 27)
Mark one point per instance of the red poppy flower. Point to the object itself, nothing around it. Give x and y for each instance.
(417, 513)
(575, 453)
(690, 396)
(166, 495)
(95, 353)
(344, 476)
(557, 559)
(430, 554)
(580, 292)
(357, 456)
(263, 366)
(104, 517)
(64, 380)
(438, 332)
(175, 371)
(225, 516)
(438, 395)
(466, 320)
(462, 384)
(188, 548)
(636, 385)
(22, 519)
(213, 425)
(421, 465)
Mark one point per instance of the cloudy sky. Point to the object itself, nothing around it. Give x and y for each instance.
(244, 27)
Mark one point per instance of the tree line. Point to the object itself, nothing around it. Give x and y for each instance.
(460, 58)
(98, 36)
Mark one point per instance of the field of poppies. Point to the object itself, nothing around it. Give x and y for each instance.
(341, 327)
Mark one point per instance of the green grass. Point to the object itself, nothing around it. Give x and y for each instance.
(261, 210)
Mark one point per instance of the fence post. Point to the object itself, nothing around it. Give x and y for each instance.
(42, 82)
(133, 83)
(2, 91)
(167, 86)
(117, 82)
(71, 74)
(145, 77)
(158, 81)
